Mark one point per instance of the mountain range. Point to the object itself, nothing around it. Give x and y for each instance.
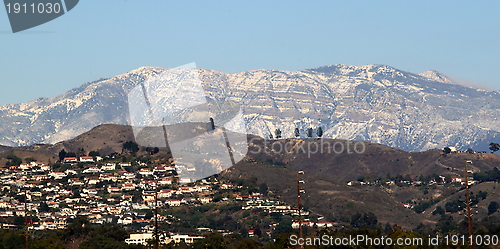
(374, 103)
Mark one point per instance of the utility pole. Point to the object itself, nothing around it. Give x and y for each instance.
(26, 219)
(467, 203)
(157, 239)
(298, 200)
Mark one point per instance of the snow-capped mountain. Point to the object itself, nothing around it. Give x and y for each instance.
(376, 103)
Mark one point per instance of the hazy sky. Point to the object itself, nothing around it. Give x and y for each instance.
(100, 39)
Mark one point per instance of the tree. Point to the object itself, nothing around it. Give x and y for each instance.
(44, 207)
(62, 155)
(492, 208)
(212, 124)
(439, 210)
(263, 189)
(13, 160)
(494, 147)
(285, 226)
(297, 132)
(310, 132)
(367, 220)
(152, 150)
(257, 232)
(213, 240)
(277, 132)
(319, 132)
(71, 154)
(149, 214)
(81, 152)
(446, 224)
(446, 150)
(130, 146)
(370, 220)
(94, 153)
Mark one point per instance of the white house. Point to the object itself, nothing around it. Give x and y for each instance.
(129, 186)
(58, 175)
(145, 172)
(173, 202)
(91, 170)
(185, 238)
(86, 159)
(128, 175)
(125, 164)
(184, 180)
(108, 166)
(165, 181)
(70, 160)
(139, 239)
(125, 221)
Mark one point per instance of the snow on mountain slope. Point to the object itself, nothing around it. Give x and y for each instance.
(375, 103)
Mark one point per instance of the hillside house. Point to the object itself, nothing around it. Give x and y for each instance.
(185, 190)
(125, 164)
(91, 170)
(71, 172)
(166, 193)
(125, 220)
(70, 160)
(86, 159)
(108, 167)
(58, 175)
(25, 166)
(108, 177)
(227, 186)
(145, 172)
(148, 184)
(139, 239)
(205, 200)
(169, 167)
(129, 186)
(173, 202)
(91, 191)
(75, 182)
(127, 175)
(184, 180)
(165, 181)
(92, 180)
(114, 190)
(185, 238)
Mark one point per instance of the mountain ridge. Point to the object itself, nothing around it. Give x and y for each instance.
(376, 103)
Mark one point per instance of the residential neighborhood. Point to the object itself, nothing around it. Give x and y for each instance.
(106, 190)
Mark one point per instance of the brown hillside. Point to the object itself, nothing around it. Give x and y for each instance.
(326, 174)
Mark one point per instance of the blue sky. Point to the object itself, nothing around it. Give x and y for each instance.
(100, 39)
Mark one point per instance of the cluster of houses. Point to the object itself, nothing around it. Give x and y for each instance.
(103, 191)
(443, 180)
(145, 238)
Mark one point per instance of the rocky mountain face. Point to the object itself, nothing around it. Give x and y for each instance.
(376, 103)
